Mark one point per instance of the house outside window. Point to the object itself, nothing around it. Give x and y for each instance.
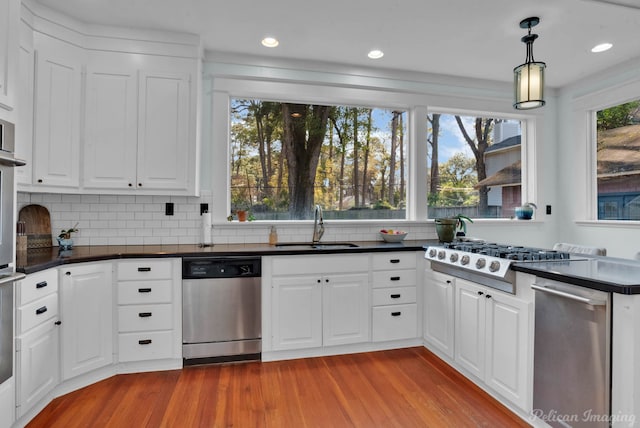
(618, 162)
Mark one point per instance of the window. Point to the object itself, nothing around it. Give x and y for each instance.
(474, 166)
(286, 157)
(618, 162)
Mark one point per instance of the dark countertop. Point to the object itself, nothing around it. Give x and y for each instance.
(44, 258)
(600, 273)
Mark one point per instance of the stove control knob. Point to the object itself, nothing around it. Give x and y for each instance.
(441, 255)
(494, 266)
(465, 260)
(480, 263)
(453, 257)
(432, 252)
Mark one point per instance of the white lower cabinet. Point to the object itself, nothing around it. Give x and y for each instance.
(86, 297)
(492, 339)
(319, 309)
(439, 311)
(37, 338)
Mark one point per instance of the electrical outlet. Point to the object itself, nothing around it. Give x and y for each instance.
(168, 208)
(548, 209)
(204, 208)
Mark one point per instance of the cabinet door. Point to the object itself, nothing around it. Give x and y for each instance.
(9, 21)
(470, 327)
(24, 105)
(439, 311)
(345, 309)
(37, 365)
(56, 150)
(297, 312)
(111, 133)
(163, 131)
(87, 318)
(507, 356)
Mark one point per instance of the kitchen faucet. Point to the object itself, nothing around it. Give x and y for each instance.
(318, 225)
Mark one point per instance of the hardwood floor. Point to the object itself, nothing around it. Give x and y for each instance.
(398, 388)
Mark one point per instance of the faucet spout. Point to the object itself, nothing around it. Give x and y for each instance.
(318, 225)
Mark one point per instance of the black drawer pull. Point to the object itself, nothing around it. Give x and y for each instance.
(144, 290)
(58, 322)
(41, 284)
(144, 269)
(144, 314)
(144, 342)
(396, 314)
(395, 296)
(41, 310)
(394, 261)
(395, 278)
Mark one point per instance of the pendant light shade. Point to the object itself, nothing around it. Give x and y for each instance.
(528, 78)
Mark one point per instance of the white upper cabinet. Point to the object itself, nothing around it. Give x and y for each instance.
(115, 110)
(24, 105)
(58, 98)
(9, 24)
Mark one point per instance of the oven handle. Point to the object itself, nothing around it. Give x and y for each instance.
(592, 302)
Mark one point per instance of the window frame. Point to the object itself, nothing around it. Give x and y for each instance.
(418, 106)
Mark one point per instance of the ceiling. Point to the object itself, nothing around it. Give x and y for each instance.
(470, 38)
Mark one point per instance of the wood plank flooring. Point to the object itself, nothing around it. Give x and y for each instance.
(399, 388)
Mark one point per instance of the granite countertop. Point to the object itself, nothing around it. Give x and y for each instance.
(600, 273)
(44, 258)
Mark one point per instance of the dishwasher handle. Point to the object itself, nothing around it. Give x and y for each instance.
(588, 301)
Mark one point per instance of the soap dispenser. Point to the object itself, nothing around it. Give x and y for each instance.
(273, 236)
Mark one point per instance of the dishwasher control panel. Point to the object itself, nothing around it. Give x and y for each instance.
(221, 267)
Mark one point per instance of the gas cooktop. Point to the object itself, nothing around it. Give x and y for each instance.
(486, 263)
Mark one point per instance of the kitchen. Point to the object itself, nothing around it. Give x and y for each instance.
(107, 219)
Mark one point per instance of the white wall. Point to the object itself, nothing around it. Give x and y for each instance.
(576, 211)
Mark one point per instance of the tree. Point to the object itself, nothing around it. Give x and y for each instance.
(616, 116)
(434, 182)
(303, 132)
(479, 145)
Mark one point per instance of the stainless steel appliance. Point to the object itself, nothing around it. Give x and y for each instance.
(6, 331)
(486, 263)
(571, 381)
(221, 309)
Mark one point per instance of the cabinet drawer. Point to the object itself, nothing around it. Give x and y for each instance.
(143, 292)
(145, 318)
(403, 260)
(320, 264)
(395, 322)
(394, 278)
(144, 270)
(35, 286)
(145, 346)
(37, 312)
(394, 296)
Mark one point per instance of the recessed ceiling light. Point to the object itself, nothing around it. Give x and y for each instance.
(270, 42)
(601, 47)
(375, 54)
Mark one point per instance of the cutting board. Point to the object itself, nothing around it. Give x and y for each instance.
(37, 225)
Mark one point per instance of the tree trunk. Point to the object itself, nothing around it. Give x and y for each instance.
(434, 182)
(304, 129)
(367, 148)
(392, 157)
(401, 144)
(356, 164)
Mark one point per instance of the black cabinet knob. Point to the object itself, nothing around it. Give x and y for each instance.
(58, 322)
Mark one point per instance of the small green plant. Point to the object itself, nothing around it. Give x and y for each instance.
(462, 222)
(66, 234)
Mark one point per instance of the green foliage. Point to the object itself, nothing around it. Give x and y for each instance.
(617, 116)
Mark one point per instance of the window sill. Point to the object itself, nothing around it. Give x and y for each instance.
(608, 223)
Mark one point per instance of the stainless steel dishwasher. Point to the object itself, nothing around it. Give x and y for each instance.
(221, 309)
(571, 379)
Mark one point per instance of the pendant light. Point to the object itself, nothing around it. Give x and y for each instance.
(528, 78)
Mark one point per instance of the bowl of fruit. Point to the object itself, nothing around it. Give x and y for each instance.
(391, 235)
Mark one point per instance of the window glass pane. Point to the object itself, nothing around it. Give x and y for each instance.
(618, 162)
(474, 166)
(287, 157)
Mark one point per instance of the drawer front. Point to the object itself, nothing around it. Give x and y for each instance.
(320, 264)
(145, 346)
(395, 322)
(36, 286)
(394, 296)
(145, 318)
(144, 292)
(404, 260)
(144, 269)
(394, 278)
(35, 313)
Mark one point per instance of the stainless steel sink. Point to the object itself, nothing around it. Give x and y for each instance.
(319, 246)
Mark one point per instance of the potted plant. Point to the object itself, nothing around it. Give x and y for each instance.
(525, 212)
(446, 227)
(64, 238)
